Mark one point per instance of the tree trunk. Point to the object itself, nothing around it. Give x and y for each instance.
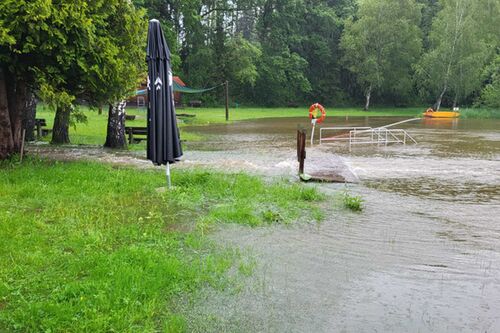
(60, 131)
(30, 116)
(13, 107)
(6, 139)
(99, 111)
(115, 137)
(455, 101)
(368, 96)
(440, 98)
(23, 103)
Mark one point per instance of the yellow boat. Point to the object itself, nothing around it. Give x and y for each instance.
(441, 114)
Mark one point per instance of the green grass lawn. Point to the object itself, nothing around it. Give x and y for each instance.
(87, 247)
(481, 113)
(94, 131)
(217, 115)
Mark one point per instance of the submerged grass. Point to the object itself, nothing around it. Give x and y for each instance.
(352, 202)
(93, 248)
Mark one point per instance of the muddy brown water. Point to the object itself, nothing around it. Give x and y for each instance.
(424, 256)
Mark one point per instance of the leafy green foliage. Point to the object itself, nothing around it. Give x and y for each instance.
(74, 49)
(480, 113)
(382, 43)
(242, 60)
(279, 52)
(352, 202)
(490, 95)
(459, 49)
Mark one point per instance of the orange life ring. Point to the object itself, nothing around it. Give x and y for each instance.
(313, 114)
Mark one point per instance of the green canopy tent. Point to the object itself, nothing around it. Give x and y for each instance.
(178, 88)
(182, 89)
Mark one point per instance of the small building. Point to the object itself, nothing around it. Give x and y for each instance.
(141, 100)
(178, 94)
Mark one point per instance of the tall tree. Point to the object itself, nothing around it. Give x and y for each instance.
(458, 51)
(490, 95)
(64, 50)
(110, 69)
(382, 43)
(38, 40)
(321, 31)
(282, 76)
(430, 8)
(121, 35)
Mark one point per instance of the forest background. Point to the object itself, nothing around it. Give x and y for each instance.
(342, 52)
(272, 52)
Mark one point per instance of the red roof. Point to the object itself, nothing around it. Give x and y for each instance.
(179, 81)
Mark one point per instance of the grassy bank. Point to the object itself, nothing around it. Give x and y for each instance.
(480, 113)
(94, 131)
(86, 247)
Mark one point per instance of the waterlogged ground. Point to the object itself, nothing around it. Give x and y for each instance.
(424, 256)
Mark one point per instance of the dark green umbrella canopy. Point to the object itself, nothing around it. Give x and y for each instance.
(163, 134)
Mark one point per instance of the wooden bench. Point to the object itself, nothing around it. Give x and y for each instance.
(194, 104)
(40, 123)
(132, 132)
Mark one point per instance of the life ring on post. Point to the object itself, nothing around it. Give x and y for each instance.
(313, 113)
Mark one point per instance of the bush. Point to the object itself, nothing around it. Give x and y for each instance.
(352, 202)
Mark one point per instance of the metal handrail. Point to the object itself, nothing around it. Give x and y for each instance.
(379, 135)
(350, 128)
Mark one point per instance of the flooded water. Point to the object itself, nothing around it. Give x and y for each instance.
(423, 256)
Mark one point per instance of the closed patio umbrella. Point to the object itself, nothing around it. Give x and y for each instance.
(164, 145)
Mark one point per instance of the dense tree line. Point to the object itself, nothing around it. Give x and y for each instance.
(393, 52)
(273, 52)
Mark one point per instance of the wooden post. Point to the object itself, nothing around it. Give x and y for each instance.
(21, 153)
(301, 149)
(38, 128)
(227, 99)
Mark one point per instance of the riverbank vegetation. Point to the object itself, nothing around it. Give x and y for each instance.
(480, 113)
(93, 247)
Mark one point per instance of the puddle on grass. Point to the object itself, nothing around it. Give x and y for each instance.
(424, 256)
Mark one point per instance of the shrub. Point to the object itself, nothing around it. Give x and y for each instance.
(352, 202)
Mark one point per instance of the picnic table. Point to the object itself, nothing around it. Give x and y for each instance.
(134, 131)
(41, 128)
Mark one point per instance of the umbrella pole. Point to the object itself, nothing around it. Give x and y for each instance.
(168, 175)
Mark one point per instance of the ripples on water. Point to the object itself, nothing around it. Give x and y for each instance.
(424, 256)
(437, 189)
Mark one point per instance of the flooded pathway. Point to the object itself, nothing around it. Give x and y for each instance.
(424, 256)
